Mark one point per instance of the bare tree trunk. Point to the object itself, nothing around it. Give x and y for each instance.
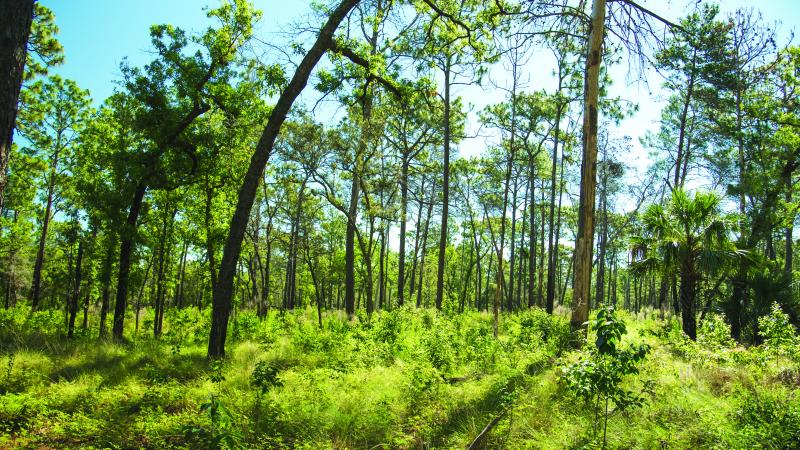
(224, 290)
(478, 273)
(37, 268)
(417, 234)
(688, 294)
(682, 154)
(532, 233)
(521, 269)
(512, 256)
(445, 187)
(401, 253)
(76, 290)
(540, 282)
(181, 274)
(350, 249)
(789, 248)
(161, 289)
(423, 249)
(382, 268)
(552, 250)
(558, 232)
(581, 289)
(601, 256)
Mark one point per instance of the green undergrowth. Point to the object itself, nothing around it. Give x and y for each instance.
(400, 379)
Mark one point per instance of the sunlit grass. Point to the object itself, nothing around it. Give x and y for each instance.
(406, 379)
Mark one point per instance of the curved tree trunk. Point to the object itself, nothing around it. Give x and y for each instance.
(223, 291)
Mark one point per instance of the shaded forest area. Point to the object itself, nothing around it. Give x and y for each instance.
(255, 246)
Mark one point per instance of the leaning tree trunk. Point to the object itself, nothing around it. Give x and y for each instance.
(223, 291)
(15, 27)
(583, 244)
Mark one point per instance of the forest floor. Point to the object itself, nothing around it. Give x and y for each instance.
(402, 379)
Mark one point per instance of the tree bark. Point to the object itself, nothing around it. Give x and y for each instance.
(15, 28)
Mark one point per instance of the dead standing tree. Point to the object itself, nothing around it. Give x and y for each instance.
(637, 30)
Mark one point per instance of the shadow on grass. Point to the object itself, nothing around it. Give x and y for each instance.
(148, 359)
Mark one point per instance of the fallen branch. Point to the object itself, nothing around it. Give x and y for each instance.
(476, 443)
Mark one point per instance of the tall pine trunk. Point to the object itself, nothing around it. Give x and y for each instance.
(445, 186)
(401, 252)
(581, 289)
(552, 250)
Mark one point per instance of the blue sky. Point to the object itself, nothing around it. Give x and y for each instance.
(98, 34)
